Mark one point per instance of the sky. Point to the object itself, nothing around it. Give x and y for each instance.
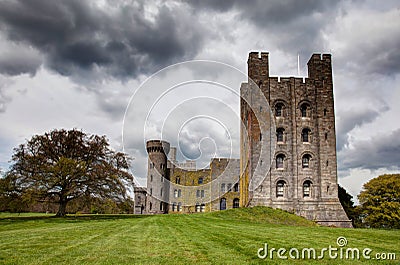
(84, 64)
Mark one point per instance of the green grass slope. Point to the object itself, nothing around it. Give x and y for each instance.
(261, 214)
(227, 237)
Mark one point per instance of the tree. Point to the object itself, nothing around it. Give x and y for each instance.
(12, 199)
(380, 202)
(348, 206)
(61, 166)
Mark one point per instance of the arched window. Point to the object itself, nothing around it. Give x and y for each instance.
(306, 160)
(305, 109)
(236, 187)
(236, 203)
(178, 180)
(202, 207)
(151, 178)
(305, 135)
(223, 187)
(197, 209)
(279, 110)
(222, 204)
(174, 206)
(280, 188)
(179, 207)
(279, 160)
(279, 134)
(307, 188)
(229, 187)
(200, 181)
(161, 192)
(150, 206)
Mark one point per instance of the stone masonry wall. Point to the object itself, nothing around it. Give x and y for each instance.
(305, 105)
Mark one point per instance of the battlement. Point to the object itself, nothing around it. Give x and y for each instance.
(157, 146)
(263, 56)
(223, 162)
(283, 79)
(320, 57)
(320, 67)
(258, 68)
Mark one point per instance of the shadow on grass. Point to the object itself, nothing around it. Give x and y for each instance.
(74, 217)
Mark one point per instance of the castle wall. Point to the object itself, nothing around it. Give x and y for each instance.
(225, 176)
(189, 195)
(187, 190)
(140, 200)
(303, 112)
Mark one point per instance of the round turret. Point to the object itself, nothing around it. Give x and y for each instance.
(157, 176)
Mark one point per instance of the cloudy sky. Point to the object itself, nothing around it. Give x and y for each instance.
(76, 64)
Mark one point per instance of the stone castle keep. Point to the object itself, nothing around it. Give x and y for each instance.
(287, 156)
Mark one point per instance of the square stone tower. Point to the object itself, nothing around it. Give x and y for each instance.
(288, 125)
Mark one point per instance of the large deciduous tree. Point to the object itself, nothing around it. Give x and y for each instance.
(380, 202)
(64, 165)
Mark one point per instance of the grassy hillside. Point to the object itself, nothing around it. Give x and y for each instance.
(227, 237)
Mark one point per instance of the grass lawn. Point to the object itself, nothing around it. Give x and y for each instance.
(227, 237)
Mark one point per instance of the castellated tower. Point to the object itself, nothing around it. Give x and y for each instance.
(157, 177)
(302, 144)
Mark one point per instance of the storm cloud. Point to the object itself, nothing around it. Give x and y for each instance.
(381, 151)
(350, 120)
(294, 26)
(122, 39)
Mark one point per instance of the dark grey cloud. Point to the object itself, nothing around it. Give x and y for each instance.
(368, 37)
(350, 120)
(382, 151)
(265, 14)
(377, 56)
(295, 26)
(76, 35)
(120, 39)
(386, 61)
(19, 60)
(280, 13)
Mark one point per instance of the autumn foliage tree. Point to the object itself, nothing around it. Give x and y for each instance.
(380, 202)
(62, 166)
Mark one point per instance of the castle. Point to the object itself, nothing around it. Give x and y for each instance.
(180, 188)
(287, 153)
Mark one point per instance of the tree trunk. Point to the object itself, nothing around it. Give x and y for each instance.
(62, 209)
